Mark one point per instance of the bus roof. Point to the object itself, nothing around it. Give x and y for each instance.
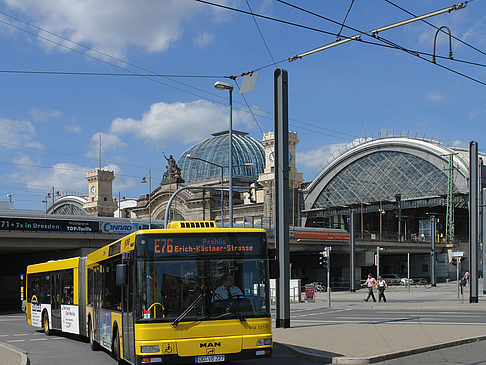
(54, 265)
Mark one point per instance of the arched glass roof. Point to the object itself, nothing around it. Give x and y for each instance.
(246, 150)
(381, 175)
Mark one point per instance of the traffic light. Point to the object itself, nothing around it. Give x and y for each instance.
(323, 259)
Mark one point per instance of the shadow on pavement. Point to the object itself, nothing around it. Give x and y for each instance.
(323, 357)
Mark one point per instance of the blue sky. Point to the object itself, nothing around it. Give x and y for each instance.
(50, 124)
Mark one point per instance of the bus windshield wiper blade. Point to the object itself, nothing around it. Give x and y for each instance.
(235, 311)
(188, 309)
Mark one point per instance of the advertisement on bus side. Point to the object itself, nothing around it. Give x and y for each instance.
(70, 319)
(36, 311)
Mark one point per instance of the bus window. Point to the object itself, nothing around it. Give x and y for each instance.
(111, 296)
(67, 287)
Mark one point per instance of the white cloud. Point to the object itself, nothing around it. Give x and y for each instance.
(461, 144)
(73, 128)
(315, 158)
(203, 39)
(318, 157)
(112, 25)
(434, 96)
(109, 142)
(63, 176)
(15, 132)
(473, 114)
(40, 115)
(476, 33)
(180, 122)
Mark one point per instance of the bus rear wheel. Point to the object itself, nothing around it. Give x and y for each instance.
(115, 348)
(92, 343)
(45, 324)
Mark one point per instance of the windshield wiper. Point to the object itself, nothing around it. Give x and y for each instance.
(188, 309)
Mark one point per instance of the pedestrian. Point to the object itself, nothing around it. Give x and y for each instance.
(371, 283)
(382, 285)
(465, 279)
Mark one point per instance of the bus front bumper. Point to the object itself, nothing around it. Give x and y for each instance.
(248, 354)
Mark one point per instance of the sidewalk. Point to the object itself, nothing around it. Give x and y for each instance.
(10, 355)
(352, 343)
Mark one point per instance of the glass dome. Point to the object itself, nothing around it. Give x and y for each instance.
(248, 158)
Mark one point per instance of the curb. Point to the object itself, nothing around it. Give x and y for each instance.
(323, 357)
(16, 352)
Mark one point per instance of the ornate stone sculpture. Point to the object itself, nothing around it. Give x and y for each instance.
(173, 173)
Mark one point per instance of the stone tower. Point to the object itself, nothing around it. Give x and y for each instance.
(100, 199)
(267, 178)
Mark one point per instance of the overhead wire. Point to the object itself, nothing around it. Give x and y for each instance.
(274, 64)
(261, 34)
(74, 73)
(432, 25)
(344, 21)
(128, 63)
(86, 54)
(394, 45)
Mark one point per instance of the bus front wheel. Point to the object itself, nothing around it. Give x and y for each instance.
(45, 324)
(93, 344)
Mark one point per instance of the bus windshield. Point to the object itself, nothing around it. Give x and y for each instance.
(223, 288)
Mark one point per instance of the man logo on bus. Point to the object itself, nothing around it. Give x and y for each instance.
(209, 351)
(210, 344)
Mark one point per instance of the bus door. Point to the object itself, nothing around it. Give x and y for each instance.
(127, 299)
(56, 290)
(97, 291)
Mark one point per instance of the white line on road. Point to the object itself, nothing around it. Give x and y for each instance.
(16, 341)
(408, 321)
(21, 334)
(38, 339)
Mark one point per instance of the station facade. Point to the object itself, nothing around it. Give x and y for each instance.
(394, 184)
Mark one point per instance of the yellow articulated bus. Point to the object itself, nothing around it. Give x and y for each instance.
(191, 293)
(55, 295)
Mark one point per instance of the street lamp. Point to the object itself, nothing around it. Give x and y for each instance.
(143, 181)
(225, 86)
(222, 177)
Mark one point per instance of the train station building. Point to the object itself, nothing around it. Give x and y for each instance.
(393, 184)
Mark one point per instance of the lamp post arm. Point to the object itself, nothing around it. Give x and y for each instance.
(201, 187)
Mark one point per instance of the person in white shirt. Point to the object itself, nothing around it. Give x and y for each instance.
(382, 285)
(227, 290)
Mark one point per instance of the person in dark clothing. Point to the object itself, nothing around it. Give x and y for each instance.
(382, 285)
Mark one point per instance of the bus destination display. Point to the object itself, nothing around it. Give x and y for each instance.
(185, 245)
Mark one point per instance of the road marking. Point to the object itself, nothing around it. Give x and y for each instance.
(374, 322)
(4, 335)
(21, 334)
(58, 338)
(16, 341)
(38, 339)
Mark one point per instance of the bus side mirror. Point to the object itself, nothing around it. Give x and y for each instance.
(274, 269)
(121, 274)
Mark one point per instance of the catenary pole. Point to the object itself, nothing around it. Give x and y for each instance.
(473, 222)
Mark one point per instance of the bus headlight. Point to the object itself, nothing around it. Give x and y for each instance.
(264, 342)
(150, 349)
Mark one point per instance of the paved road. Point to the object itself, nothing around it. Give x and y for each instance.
(62, 350)
(350, 315)
(471, 354)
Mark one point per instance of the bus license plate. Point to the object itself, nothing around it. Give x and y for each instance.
(209, 358)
